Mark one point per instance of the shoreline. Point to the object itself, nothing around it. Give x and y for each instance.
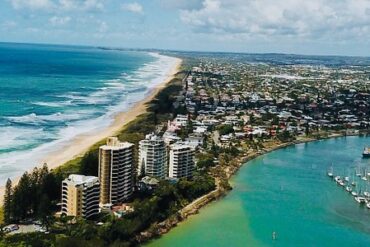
(81, 143)
(161, 228)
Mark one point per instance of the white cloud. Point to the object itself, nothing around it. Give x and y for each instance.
(31, 4)
(81, 4)
(319, 19)
(133, 7)
(102, 26)
(8, 25)
(57, 5)
(59, 21)
(181, 4)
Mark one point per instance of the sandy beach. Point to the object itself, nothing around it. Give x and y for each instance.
(79, 145)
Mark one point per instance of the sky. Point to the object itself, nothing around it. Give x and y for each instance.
(321, 27)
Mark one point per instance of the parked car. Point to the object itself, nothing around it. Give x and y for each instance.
(11, 228)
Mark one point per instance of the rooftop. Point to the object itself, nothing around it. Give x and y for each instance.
(77, 179)
(114, 144)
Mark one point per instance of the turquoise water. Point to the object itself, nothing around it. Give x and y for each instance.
(286, 191)
(50, 94)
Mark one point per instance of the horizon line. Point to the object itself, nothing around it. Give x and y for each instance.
(179, 50)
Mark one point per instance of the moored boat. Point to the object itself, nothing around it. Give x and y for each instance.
(360, 199)
(330, 171)
(366, 152)
(353, 180)
(358, 172)
(341, 183)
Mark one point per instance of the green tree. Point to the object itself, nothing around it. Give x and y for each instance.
(34, 189)
(225, 129)
(89, 164)
(189, 125)
(22, 198)
(51, 187)
(142, 169)
(7, 207)
(205, 163)
(285, 136)
(44, 211)
(307, 129)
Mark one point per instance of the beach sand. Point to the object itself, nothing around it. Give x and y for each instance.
(79, 145)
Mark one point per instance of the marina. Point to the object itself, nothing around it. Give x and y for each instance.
(288, 192)
(357, 186)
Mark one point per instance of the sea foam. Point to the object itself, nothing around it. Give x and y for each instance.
(86, 112)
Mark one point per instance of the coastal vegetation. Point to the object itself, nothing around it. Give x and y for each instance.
(37, 194)
(225, 129)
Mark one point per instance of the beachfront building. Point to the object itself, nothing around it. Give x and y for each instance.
(152, 157)
(80, 196)
(116, 171)
(181, 161)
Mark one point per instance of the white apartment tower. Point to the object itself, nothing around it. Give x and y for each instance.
(116, 171)
(80, 196)
(152, 157)
(182, 162)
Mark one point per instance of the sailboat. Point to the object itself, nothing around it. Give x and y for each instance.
(349, 188)
(358, 173)
(353, 180)
(366, 192)
(360, 199)
(330, 171)
(274, 235)
(364, 177)
(341, 182)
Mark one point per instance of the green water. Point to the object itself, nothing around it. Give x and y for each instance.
(286, 191)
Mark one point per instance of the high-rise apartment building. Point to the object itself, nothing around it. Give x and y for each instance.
(80, 196)
(182, 162)
(152, 157)
(116, 171)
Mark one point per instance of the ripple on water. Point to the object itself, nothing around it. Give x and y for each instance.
(286, 191)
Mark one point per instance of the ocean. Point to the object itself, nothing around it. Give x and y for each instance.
(287, 192)
(49, 94)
